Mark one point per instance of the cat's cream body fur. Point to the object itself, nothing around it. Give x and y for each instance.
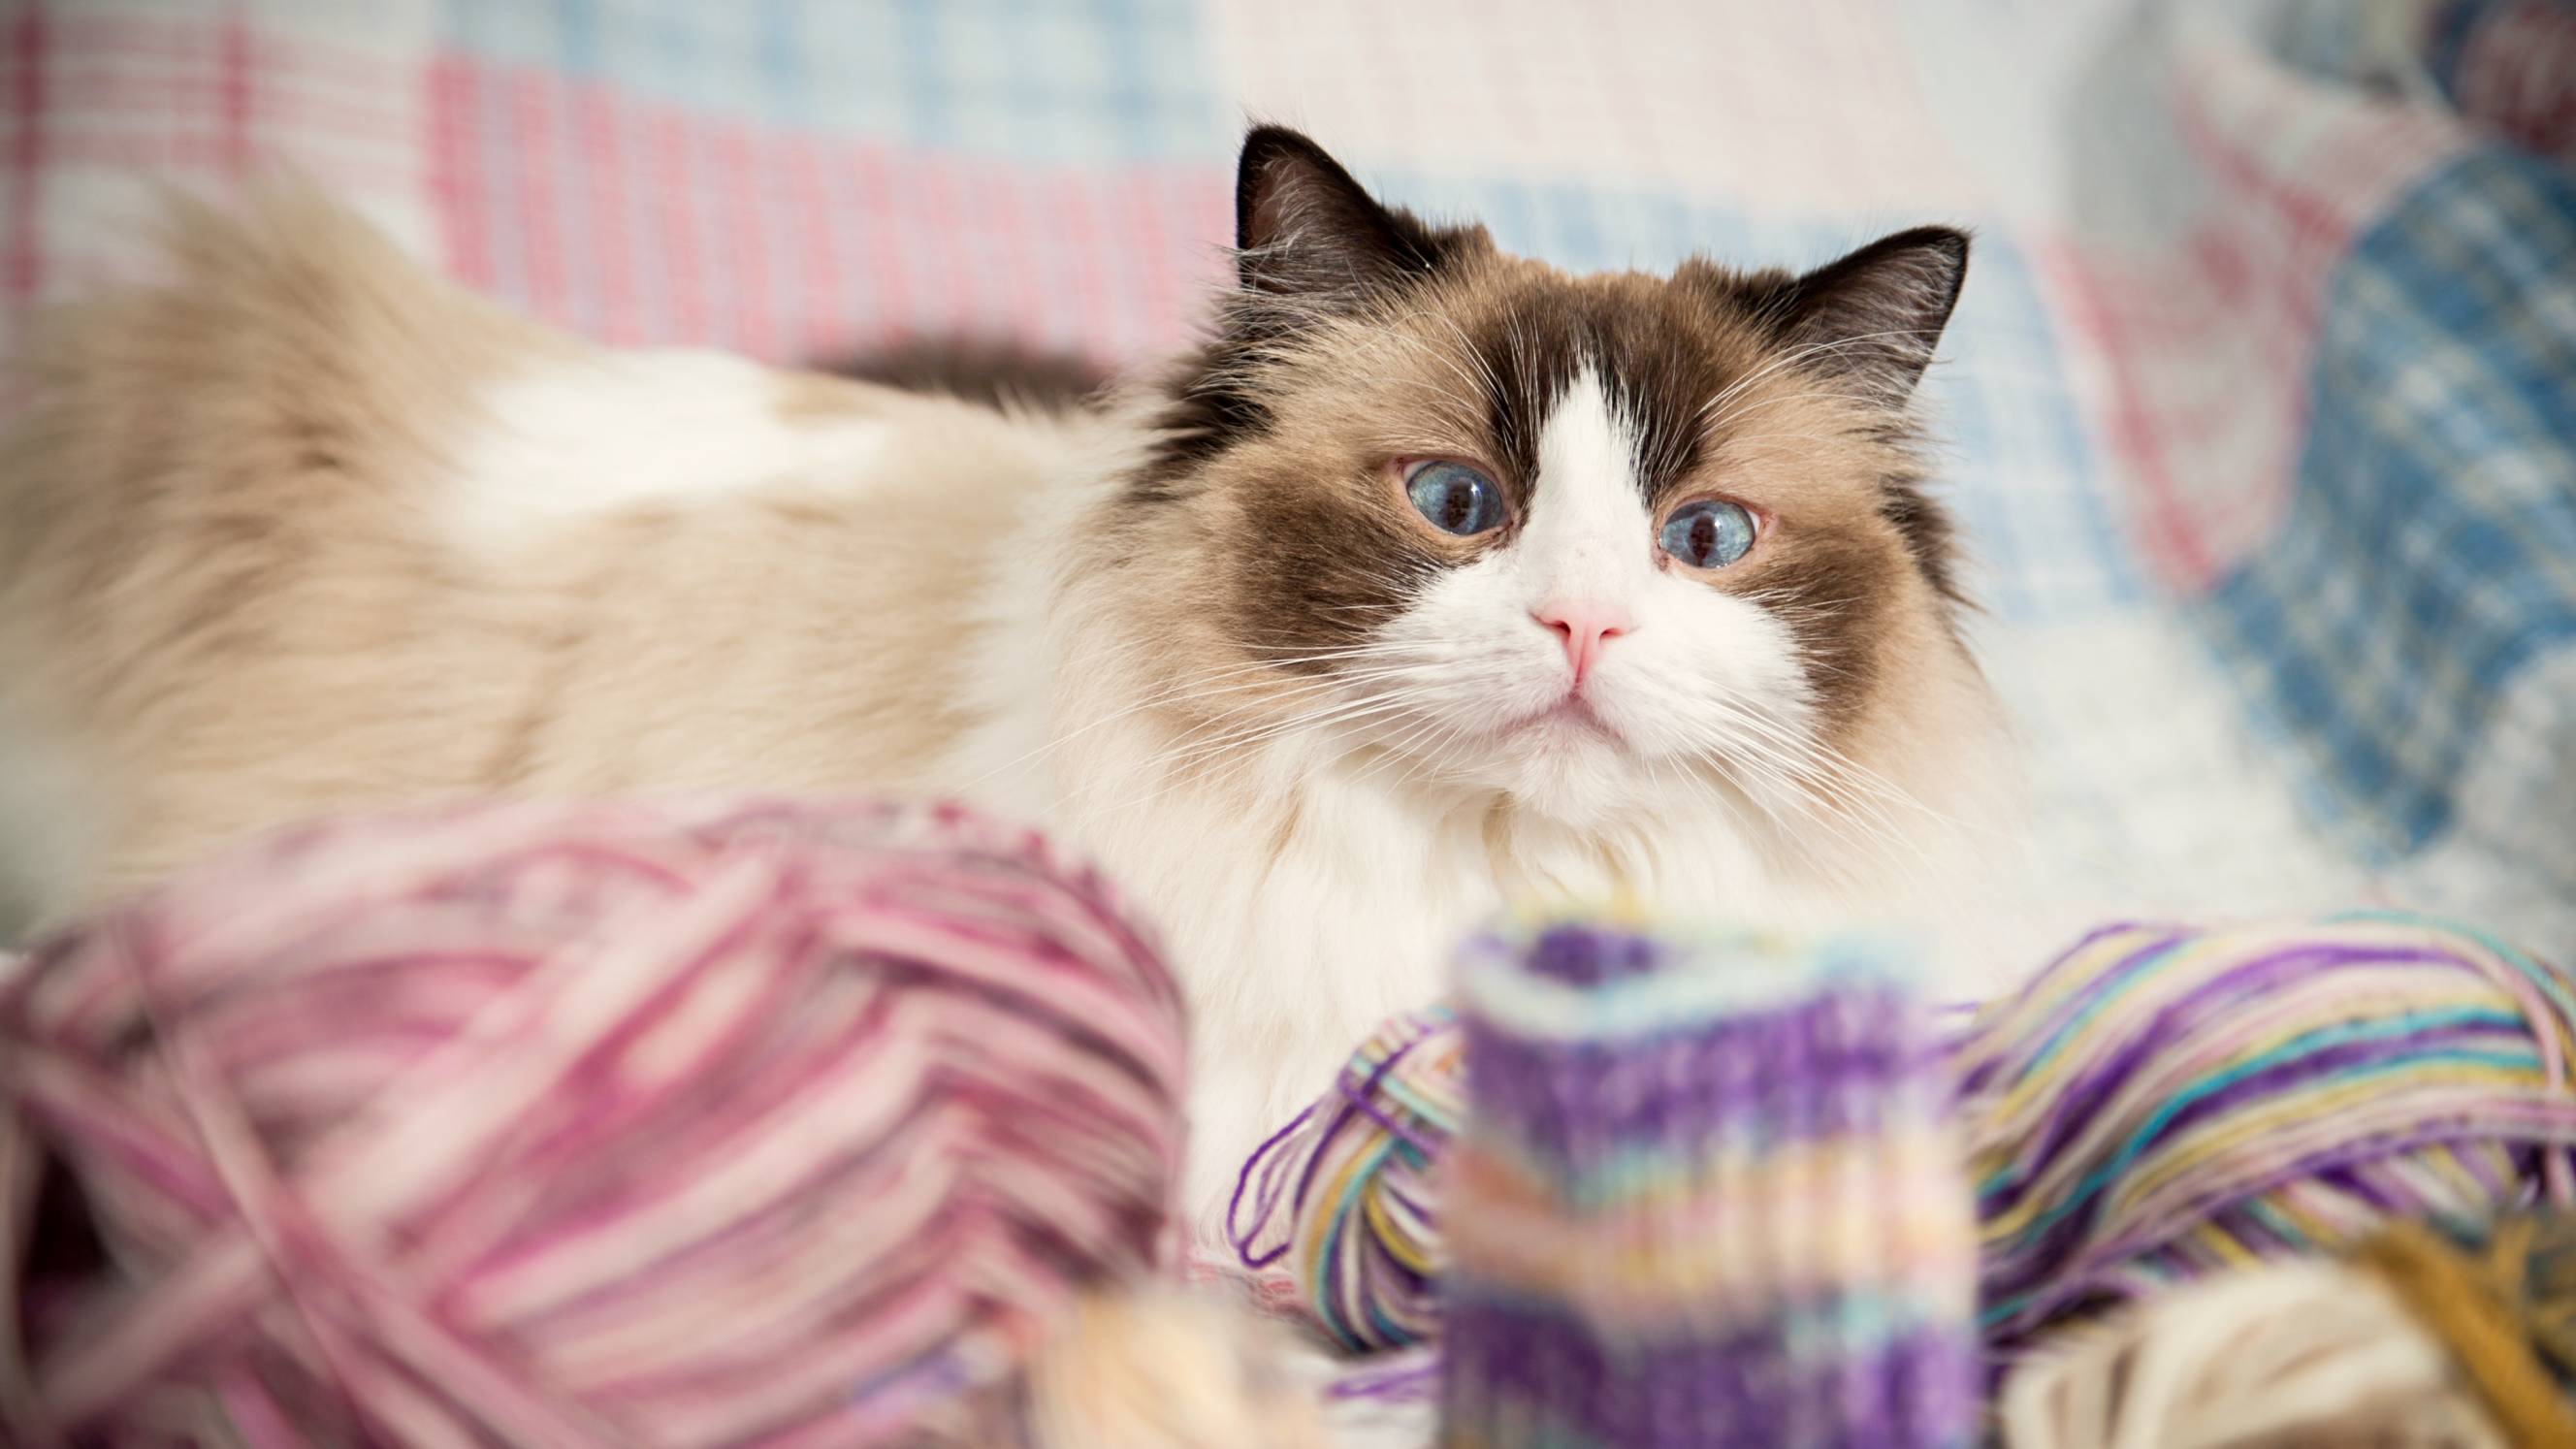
(308, 530)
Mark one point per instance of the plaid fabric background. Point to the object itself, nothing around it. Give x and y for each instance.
(2429, 550)
(2259, 405)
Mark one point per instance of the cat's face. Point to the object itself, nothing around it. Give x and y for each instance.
(1589, 541)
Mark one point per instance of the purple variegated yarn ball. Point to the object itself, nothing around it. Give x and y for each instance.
(538, 1124)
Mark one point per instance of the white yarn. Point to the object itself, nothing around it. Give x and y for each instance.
(2292, 1353)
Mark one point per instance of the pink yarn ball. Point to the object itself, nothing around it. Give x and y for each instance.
(720, 1124)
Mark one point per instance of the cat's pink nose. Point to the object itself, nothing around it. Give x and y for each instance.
(1583, 626)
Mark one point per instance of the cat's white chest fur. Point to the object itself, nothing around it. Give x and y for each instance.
(1297, 919)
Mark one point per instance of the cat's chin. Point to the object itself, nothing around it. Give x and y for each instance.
(1574, 772)
(1570, 721)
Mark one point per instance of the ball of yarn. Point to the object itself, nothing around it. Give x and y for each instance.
(1340, 1198)
(2458, 1335)
(570, 1125)
(2501, 1296)
(2302, 1351)
(2163, 1103)
(1707, 1192)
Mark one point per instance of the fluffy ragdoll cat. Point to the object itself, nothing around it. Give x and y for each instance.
(1435, 580)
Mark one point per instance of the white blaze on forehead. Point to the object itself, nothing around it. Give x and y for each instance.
(1588, 530)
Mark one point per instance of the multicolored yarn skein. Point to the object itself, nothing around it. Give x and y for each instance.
(567, 1125)
(2163, 1103)
(1707, 1194)
(1341, 1196)
(2159, 1104)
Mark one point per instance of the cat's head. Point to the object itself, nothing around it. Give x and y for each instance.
(1583, 540)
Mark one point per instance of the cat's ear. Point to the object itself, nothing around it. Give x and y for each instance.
(1874, 315)
(1303, 227)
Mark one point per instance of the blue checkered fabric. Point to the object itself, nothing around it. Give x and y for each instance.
(2430, 551)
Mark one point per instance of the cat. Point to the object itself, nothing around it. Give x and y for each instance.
(1434, 580)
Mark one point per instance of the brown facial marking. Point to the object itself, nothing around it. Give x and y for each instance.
(1835, 588)
(1323, 567)
(1930, 536)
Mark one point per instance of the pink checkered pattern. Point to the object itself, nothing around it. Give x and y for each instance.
(2208, 328)
(642, 222)
(100, 102)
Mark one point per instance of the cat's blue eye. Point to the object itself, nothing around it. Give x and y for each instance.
(1708, 534)
(1454, 497)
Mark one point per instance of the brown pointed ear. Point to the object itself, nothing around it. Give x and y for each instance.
(1302, 226)
(1875, 315)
